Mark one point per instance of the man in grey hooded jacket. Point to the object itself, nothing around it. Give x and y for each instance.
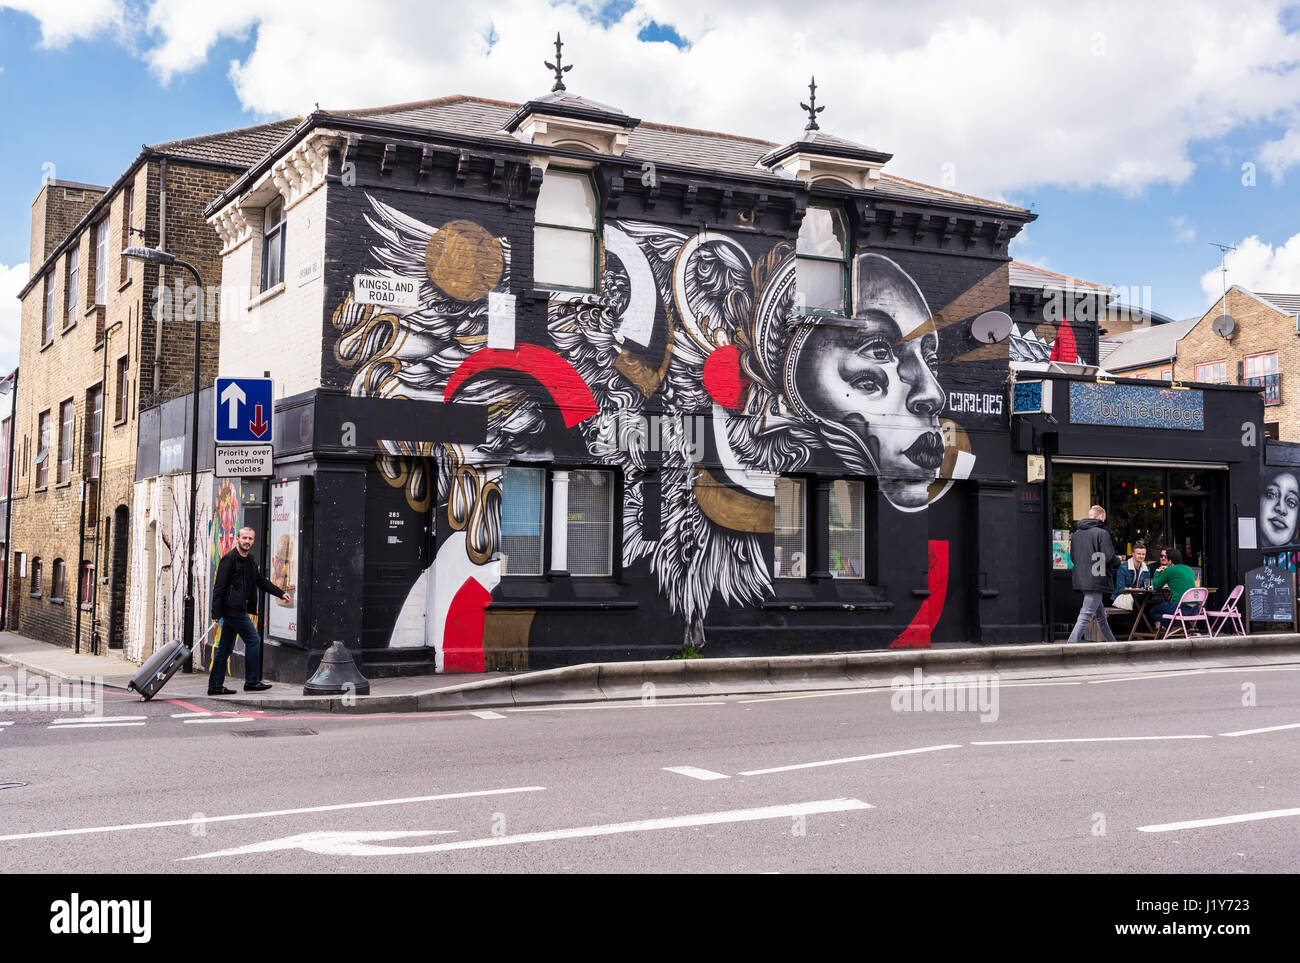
(1093, 554)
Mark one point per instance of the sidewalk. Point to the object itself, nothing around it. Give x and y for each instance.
(671, 679)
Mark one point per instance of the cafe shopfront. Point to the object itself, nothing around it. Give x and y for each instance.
(1172, 465)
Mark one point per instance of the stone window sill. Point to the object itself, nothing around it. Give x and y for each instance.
(68, 327)
(54, 601)
(33, 595)
(125, 284)
(266, 295)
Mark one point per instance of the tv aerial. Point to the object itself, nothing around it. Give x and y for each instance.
(1225, 324)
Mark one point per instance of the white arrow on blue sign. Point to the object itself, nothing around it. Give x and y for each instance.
(243, 411)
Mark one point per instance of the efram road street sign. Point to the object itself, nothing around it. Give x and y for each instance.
(243, 411)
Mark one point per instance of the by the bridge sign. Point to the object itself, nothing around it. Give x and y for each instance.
(244, 411)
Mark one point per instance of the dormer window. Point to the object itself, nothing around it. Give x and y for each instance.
(822, 266)
(564, 233)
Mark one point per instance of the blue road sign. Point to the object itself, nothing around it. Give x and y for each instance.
(243, 411)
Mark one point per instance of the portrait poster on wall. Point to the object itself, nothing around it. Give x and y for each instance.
(282, 615)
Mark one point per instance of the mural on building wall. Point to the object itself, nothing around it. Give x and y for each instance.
(155, 606)
(1279, 508)
(1044, 342)
(692, 371)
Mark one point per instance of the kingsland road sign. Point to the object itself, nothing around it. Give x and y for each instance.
(243, 411)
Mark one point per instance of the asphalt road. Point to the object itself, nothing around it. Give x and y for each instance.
(1073, 775)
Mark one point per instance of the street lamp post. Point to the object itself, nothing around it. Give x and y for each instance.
(154, 256)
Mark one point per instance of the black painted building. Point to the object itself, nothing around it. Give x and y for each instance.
(556, 385)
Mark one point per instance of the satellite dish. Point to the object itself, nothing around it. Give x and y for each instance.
(1224, 325)
(991, 327)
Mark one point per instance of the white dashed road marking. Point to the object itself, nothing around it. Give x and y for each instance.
(1219, 821)
(695, 773)
(838, 762)
(1255, 732)
(1036, 742)
(487, 714)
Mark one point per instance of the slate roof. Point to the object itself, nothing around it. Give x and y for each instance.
(662, 143)
(242, 147)
(1146, 346)
(1286, 303)
(1028, 276)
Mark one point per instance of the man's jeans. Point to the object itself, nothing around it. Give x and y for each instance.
(242, 626)
(1157, 613)
(1093, 607)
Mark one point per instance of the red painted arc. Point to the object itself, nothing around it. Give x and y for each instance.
(918, 632)
(462, 634)
(1066, 348)
(557, 376)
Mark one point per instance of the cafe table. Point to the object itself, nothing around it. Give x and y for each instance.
(1144, 598)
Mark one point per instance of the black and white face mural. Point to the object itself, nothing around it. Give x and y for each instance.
(1279, 508)
(697, 332)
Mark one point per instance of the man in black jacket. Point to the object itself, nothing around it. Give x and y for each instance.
(234, 597)
(1093, 554)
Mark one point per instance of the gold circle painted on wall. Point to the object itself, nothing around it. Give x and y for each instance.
(464, 260)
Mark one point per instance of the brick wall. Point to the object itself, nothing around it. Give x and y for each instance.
(85, 353)
(59, 205)
(1261, 328)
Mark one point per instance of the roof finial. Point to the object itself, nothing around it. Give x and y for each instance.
(558, 66)
(811, 106)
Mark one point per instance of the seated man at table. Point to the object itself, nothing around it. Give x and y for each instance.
(1178, 577)
(1135, 573)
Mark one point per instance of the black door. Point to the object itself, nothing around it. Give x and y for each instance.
(396, 552)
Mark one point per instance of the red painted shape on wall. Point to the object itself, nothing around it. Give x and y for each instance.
(723, 378)
(557, 376)
(917, 634)
(462, 634)
(1065, 348)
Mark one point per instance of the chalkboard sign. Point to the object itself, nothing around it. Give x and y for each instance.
(1271, 592)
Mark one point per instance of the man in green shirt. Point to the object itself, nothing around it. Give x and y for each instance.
(1179, 578)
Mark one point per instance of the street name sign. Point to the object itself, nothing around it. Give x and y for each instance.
(243, 409)
(244, 461)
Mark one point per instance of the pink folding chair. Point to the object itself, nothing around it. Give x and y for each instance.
(1229, 613)
(1193, 596)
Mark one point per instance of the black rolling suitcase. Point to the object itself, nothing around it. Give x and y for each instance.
(160, 667)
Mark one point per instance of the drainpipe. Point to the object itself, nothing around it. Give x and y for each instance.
(81, 551)
(100, 536)
(162, 274)
(9, 501)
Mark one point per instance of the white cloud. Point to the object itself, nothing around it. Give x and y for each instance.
(1279, 155)
(1184, 233)
(1257, 266)
(63, 21)
(1012, 93)
(12, 280)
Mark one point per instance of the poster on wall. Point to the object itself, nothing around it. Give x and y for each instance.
(282, 616)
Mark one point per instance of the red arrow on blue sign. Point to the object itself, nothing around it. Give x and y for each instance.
(257, 426)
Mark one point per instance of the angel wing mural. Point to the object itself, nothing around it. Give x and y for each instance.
(691, 372)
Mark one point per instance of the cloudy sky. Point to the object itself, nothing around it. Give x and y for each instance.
(1139, 133)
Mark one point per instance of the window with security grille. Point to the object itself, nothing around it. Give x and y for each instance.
(522, 504)
(74, 279)
(847, 536)
(790, 529)
(564, 232)
(66, 419)
(821, 266)
(591, 523)
(95, 405)
(101, 261)
(43, 439)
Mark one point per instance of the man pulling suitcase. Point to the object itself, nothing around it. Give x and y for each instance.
(234, 600)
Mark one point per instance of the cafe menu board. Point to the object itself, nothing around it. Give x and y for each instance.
(1271, 595)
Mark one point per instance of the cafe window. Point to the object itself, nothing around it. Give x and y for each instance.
(821, 266)
(522, 520)
(1137, 509)
(791, 549)
(591, 523)
(1213, 373)
(847, 539)
(1073, 493)
(564, 232)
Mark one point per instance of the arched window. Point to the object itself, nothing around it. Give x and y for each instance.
(822, 263)
(56, 581)
(36, 577)
(565, 232)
